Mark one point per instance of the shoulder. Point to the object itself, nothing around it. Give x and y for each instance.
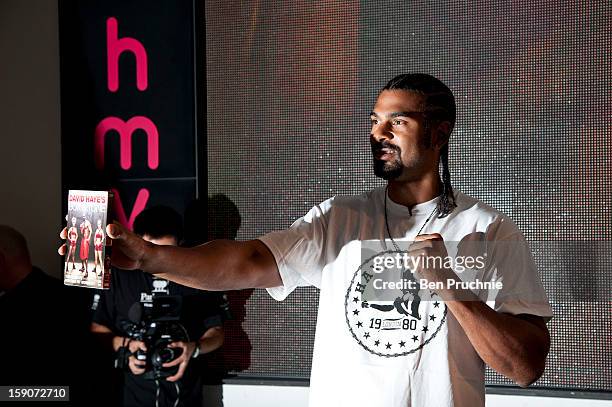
(364, 201)
(40, 281)
(477, 211)
(340, 207)
(344, 208)
(475, 206)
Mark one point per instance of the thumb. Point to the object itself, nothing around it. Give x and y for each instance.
(431, 236)
(115, 230)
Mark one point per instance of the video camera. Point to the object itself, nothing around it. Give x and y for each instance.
(156, 323)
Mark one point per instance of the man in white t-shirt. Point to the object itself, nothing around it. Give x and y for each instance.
(391, 332)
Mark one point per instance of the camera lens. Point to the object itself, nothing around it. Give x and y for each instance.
(166, 355)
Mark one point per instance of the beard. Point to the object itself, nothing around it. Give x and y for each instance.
(390, 169)
(395, 167)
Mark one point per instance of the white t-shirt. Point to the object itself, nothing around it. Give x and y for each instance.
(379, 354)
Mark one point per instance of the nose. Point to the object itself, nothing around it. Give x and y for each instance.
(381, 131)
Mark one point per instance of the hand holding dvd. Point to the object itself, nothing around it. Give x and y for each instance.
(128, 248)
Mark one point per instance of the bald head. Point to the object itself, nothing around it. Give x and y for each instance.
(15, 263)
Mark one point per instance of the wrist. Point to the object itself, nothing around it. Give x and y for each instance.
(148, 256)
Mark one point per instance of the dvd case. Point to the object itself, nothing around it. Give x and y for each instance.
(87, 262)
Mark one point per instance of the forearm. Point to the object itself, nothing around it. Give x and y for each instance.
(106, 337)
(119, 341)
(215, 266)
(513, 347)
(211, 340)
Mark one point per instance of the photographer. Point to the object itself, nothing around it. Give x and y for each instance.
(177, 382)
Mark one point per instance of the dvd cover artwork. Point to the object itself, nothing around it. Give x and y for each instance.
(87, 262)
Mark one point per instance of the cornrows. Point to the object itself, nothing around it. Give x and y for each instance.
(447, 203)
(439, 104)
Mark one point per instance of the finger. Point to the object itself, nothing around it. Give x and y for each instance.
(430, 236)
(129, 238)
(135, 361)
(174, 362)
(134, 346)
(62, 250)
(138, 345)
(178, 374)
(419, 245)
(423, 252)
(135, 365)
(177, 345)
(137, 370)
(64, 234)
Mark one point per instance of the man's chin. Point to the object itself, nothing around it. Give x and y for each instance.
(386, 173)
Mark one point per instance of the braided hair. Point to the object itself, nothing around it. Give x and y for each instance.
(439, 106)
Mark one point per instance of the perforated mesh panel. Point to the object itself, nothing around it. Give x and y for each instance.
(290, 86)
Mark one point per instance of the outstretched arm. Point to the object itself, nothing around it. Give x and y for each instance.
(216, 266)
(219, 265)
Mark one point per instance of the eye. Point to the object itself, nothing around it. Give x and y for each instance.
(373, 121)
(397, 122)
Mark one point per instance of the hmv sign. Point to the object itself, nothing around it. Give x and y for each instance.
(128, 102)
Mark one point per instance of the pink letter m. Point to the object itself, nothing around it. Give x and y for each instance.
(125, 130)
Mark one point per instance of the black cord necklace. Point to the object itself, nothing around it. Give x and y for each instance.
(387, 221)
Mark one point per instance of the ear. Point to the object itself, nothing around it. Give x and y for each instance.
(442, 134)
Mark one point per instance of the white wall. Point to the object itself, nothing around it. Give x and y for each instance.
(239, 395)
(30, 177)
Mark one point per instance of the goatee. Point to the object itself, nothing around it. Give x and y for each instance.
(386, 170)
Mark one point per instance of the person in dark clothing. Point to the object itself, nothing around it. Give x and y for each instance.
(200, 315)
(44, 324)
